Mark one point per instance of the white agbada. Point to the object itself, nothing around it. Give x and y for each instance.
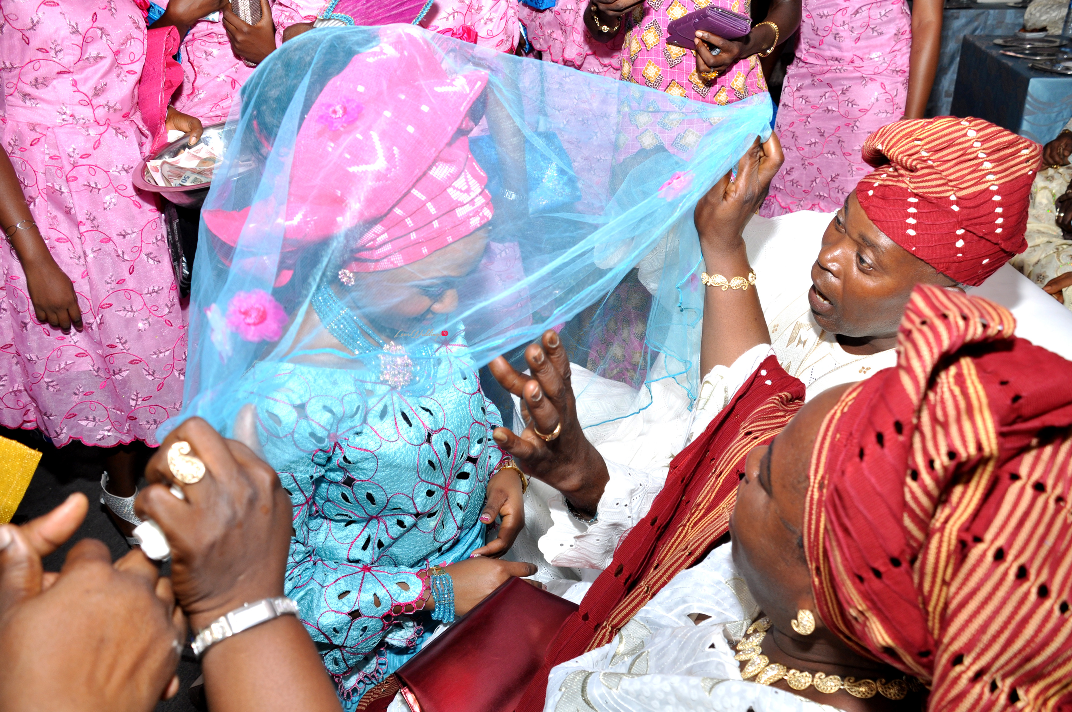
(638, 449)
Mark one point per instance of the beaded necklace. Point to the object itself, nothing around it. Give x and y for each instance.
(396, 366)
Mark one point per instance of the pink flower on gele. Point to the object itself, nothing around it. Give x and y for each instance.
(256, 316)
(465, 33)
(678, 184)
(340, 114)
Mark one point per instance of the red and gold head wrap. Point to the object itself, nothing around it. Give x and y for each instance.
(953, 192)
(937, 524)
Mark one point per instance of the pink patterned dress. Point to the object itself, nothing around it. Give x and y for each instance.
(559, 33)
(648, 60)
(487, 23)
(69, 121)
(850, 78)
(212, 74)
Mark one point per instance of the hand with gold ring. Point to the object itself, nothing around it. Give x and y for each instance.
(187, 469)
(552, 447)
(548, 438)
(229, 537)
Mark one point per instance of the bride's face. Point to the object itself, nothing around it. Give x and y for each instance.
(409, 298)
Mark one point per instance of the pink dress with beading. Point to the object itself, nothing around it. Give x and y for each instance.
(849, 78)
(69, 121)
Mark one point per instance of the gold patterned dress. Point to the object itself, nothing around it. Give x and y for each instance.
(648, 60)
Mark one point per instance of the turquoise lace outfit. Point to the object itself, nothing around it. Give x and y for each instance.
(384, 483)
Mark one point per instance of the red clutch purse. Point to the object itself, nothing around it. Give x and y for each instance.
(484, 662)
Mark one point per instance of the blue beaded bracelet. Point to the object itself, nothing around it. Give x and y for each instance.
(443, 593)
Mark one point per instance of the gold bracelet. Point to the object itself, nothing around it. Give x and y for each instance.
(511, 465)
(777, 34)
(604, 29)
(717, 280)
(20, 225)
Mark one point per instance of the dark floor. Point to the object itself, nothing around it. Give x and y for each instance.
(77, 468)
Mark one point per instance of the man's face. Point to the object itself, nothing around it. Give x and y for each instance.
(862, 280)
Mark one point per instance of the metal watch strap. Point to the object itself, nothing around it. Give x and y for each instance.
(240, 619)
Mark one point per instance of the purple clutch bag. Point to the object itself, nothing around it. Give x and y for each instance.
(727, 25)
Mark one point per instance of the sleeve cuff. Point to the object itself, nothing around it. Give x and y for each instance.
(626, 499)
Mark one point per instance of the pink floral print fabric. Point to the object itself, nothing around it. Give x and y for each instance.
(560, 34)
(849, 79)
(212, 74)
(487, 23)
(70, 124)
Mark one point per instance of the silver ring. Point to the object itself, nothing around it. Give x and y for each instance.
(716, 50)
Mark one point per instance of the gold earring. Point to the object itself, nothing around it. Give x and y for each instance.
(804, 623)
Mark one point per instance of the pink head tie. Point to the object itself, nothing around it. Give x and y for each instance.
(385, 146)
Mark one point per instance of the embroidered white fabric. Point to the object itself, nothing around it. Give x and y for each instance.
(661, 660)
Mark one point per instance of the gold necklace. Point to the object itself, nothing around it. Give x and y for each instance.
(767, 673)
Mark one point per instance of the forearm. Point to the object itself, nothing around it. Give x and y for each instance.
(783, 13)
(923, 62)
(732, 318)
(176, 19)
(26, 239)
(273, 666)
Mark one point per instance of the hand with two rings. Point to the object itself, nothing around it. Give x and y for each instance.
(230, 534)
(552, 447)
(715, 55)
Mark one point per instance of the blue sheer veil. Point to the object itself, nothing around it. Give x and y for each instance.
(588, 178)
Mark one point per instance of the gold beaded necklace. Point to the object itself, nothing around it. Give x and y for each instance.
(765, 672)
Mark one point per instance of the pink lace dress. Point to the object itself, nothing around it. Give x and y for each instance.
(850, 78)
(562, 37)
(69, 122)
(212, 74)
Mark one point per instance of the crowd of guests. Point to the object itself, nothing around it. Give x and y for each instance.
(862, 505)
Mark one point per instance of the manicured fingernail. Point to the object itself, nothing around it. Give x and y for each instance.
(552, 340)
(474, 556)
(538, 358)
(485, 518)
(6, 537)
(498, 437)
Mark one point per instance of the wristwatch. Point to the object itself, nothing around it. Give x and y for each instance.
(240, 619)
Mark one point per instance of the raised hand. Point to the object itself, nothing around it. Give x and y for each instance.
(250, 42)
(563, 457)
(725, 209)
